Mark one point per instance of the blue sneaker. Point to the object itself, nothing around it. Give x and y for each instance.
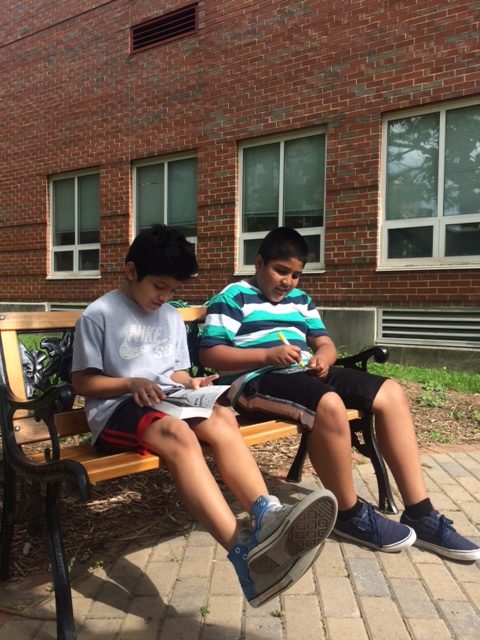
(282, 533)
(371, 529)
(260, 588)
(435, 532)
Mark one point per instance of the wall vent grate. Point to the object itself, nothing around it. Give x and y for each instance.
(164, 28)
(456, 327)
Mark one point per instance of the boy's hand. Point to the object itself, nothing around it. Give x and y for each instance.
(284, 355)
(318, 366)
(204, 381)
(145, 392)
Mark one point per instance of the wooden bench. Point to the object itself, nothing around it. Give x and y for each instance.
(37, 407)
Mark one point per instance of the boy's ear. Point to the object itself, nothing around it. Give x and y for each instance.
(259, 263)
(131, 271)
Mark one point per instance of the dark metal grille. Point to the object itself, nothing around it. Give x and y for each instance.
(164, 28)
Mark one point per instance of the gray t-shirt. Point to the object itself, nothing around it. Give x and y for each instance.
(115, 336)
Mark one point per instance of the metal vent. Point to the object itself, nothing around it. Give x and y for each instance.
(164, 28)
(455, 327)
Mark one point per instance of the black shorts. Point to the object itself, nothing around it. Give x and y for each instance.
(296, 396)
(125, 428)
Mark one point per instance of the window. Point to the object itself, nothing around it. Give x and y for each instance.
(75, 224)
(432, 188)
(283, 183)
(166, 193)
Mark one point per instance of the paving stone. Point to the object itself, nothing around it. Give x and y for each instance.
(440, 582)
(422, 629)
(303, 620)
(337, 598)
(367, 578)
(181, 629)
(383, 620)
(224, 618)
(462, 618)
(413, 600)
(224, 579)
(346, 628)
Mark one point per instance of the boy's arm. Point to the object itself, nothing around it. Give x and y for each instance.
(228, 358)
(92, 383)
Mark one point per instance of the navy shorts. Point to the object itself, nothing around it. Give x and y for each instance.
(295, 396)
(125, 428)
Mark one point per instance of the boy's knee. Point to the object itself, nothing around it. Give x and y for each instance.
(170, 434)
(330, 405)
(391, 394)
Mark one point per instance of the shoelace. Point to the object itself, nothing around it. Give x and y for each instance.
(372, 517)
(444, 527)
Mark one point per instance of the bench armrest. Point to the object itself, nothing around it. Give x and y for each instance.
(360, 360)
(51, 470)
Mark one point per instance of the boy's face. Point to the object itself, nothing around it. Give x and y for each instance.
(150, 292)
(276, 278)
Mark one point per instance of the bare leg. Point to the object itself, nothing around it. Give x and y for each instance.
(175, 442)
(398, 442)
(235, 461)
(329, 448)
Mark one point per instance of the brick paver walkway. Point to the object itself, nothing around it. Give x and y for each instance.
(185, 589)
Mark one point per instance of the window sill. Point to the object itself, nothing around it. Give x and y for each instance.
(75, 277)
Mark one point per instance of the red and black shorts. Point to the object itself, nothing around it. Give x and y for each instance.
(125, 428)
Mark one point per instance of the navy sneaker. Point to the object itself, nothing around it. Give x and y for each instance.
(371, 529)
(435, 532)
(282, 533)
(260, 588)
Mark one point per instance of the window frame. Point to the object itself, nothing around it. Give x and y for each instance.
(75, 248)
(439, 222)
(166, 160)
(310, 267)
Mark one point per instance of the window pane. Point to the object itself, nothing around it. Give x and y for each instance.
(150, 194)
(462, 162)
(261, 167)
(304, 181)
(88, 260)
(250, 250)
(414, 242)
(64, 211)
(462, 239)
(412, 167)
(182, 195)
(88, 209)
(63, 261)
(313, 248)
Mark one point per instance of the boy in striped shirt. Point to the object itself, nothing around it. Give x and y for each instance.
(266, 338)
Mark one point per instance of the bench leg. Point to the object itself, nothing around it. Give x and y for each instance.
(386, 502)
(8, 518)
(296, 470)
(61, 580)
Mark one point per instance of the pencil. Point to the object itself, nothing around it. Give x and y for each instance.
(285, 341)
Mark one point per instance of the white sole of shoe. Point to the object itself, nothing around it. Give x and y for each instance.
(306, 526)
(392, 548)
(452, 554)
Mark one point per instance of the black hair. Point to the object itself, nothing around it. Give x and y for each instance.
(161, 250)
(283, 243)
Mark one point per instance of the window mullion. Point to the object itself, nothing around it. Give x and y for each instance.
(281, 195)
(439, 249)
(77, 226)
(166, 212)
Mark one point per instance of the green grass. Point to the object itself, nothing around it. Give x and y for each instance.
(464, 382)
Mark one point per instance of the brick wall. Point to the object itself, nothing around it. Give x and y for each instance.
(73, 97)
